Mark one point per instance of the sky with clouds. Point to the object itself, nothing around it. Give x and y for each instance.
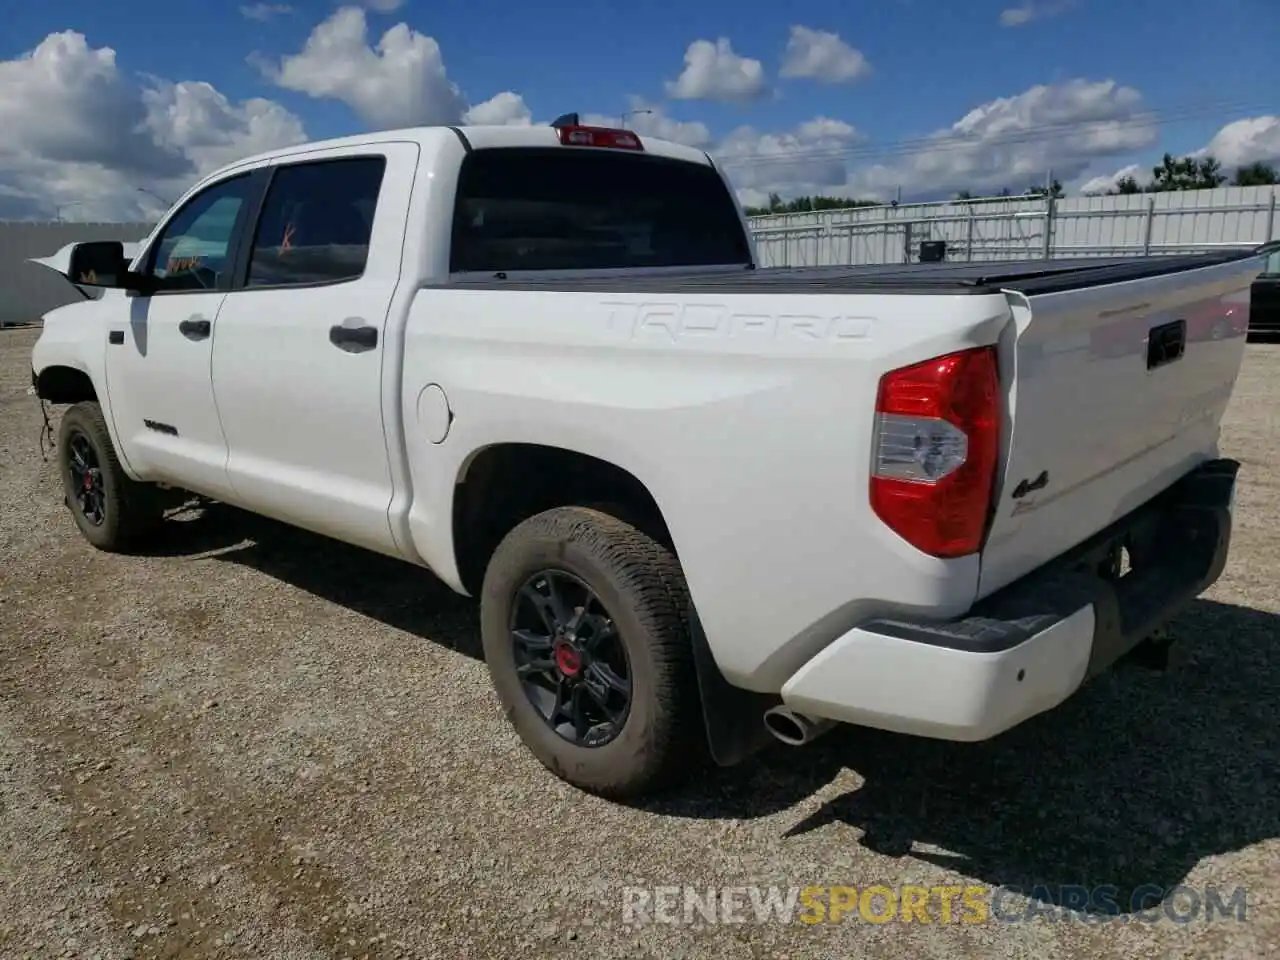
(104, 111)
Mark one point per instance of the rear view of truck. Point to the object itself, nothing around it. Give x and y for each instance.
(1087, 481)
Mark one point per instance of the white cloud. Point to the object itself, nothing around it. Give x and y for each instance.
(1246, 141)
(80, 132)
(1008, 142)
(650, 120)
(1015, 141)
(262, 12)
(504, 109)
(1239, 143)
(194, 119)
(712, 71)
(806, 160)
(400, 83)
(1031, 10)
(821, 55)
(1107, 182)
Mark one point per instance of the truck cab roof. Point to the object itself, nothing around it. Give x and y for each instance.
(474, 137)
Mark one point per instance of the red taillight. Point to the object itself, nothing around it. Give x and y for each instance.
(599, 137)
(937, 440)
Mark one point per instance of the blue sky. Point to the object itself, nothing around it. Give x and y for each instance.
(931, 61)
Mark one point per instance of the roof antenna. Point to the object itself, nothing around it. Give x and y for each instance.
(566, 120)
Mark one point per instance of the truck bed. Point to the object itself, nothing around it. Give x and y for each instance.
(1029, 277)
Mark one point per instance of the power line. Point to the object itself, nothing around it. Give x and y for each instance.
(1039, 132)
(956, 142)
(950, 141)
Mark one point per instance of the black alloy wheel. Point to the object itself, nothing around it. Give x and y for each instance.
(570, 658)
(88, 491)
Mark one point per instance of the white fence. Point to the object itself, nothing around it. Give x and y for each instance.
(26, 290)
(1020, 228)
(1015, 228)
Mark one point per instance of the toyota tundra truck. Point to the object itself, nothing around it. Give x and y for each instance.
(702, 504)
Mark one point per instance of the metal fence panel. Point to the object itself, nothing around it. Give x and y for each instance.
(28, 291)
(1019, 228)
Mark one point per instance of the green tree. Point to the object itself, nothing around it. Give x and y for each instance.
(776, 204)
(1256, 175)
(1127, 185)
(1186, 173)
(1039, 190)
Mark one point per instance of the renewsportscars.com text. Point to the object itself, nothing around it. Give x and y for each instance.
(936, 904)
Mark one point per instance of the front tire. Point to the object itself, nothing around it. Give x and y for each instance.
(585, 625)
(112, 511)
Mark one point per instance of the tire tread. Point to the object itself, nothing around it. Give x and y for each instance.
(649, 574)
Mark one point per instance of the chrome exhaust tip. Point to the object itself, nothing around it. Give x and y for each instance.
(794, 729)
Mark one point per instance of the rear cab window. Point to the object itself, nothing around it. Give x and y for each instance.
(535, 208)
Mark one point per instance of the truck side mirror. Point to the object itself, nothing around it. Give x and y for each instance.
(99, 263)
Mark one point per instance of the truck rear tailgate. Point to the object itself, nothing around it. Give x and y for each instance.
(1118, 389)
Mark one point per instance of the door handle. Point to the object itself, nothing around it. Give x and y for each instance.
(194, 329)
(353, 339)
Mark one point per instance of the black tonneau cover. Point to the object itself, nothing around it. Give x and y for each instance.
(1029, 277)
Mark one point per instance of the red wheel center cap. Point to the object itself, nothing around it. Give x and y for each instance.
(568, 660)
(88, 481)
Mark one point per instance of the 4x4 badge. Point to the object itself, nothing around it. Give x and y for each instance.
(1028, 486)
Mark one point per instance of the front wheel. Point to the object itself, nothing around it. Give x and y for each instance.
(584, 621)
(112, 511)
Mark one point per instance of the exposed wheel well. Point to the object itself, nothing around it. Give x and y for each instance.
(508, 483)
(64, 385)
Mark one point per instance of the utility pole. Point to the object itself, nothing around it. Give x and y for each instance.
(1050, 202)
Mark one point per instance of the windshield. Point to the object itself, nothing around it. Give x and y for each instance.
(574, 209)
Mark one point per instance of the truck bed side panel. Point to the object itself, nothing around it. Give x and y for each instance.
(748, 418)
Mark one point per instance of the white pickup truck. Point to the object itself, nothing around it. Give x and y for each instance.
(700, 502)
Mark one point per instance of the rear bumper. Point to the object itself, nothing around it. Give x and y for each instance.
(1030, 646)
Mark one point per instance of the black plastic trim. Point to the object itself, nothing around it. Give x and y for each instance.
(1178, 543)
(1031, 277)
(1264, 305)
(462, 138)
(733, 718)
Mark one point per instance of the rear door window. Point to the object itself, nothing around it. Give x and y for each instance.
(316, 223)
(575, 209)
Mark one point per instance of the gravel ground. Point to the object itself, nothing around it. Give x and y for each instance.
(257, 743)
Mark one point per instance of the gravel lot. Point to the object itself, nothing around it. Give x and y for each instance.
(258, 743)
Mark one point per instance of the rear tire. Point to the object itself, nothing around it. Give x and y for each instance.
(627, 592)
(113, 512)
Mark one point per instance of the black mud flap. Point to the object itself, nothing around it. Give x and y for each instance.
(733, 717)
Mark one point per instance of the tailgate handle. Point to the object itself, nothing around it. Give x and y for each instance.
(1166, 343)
